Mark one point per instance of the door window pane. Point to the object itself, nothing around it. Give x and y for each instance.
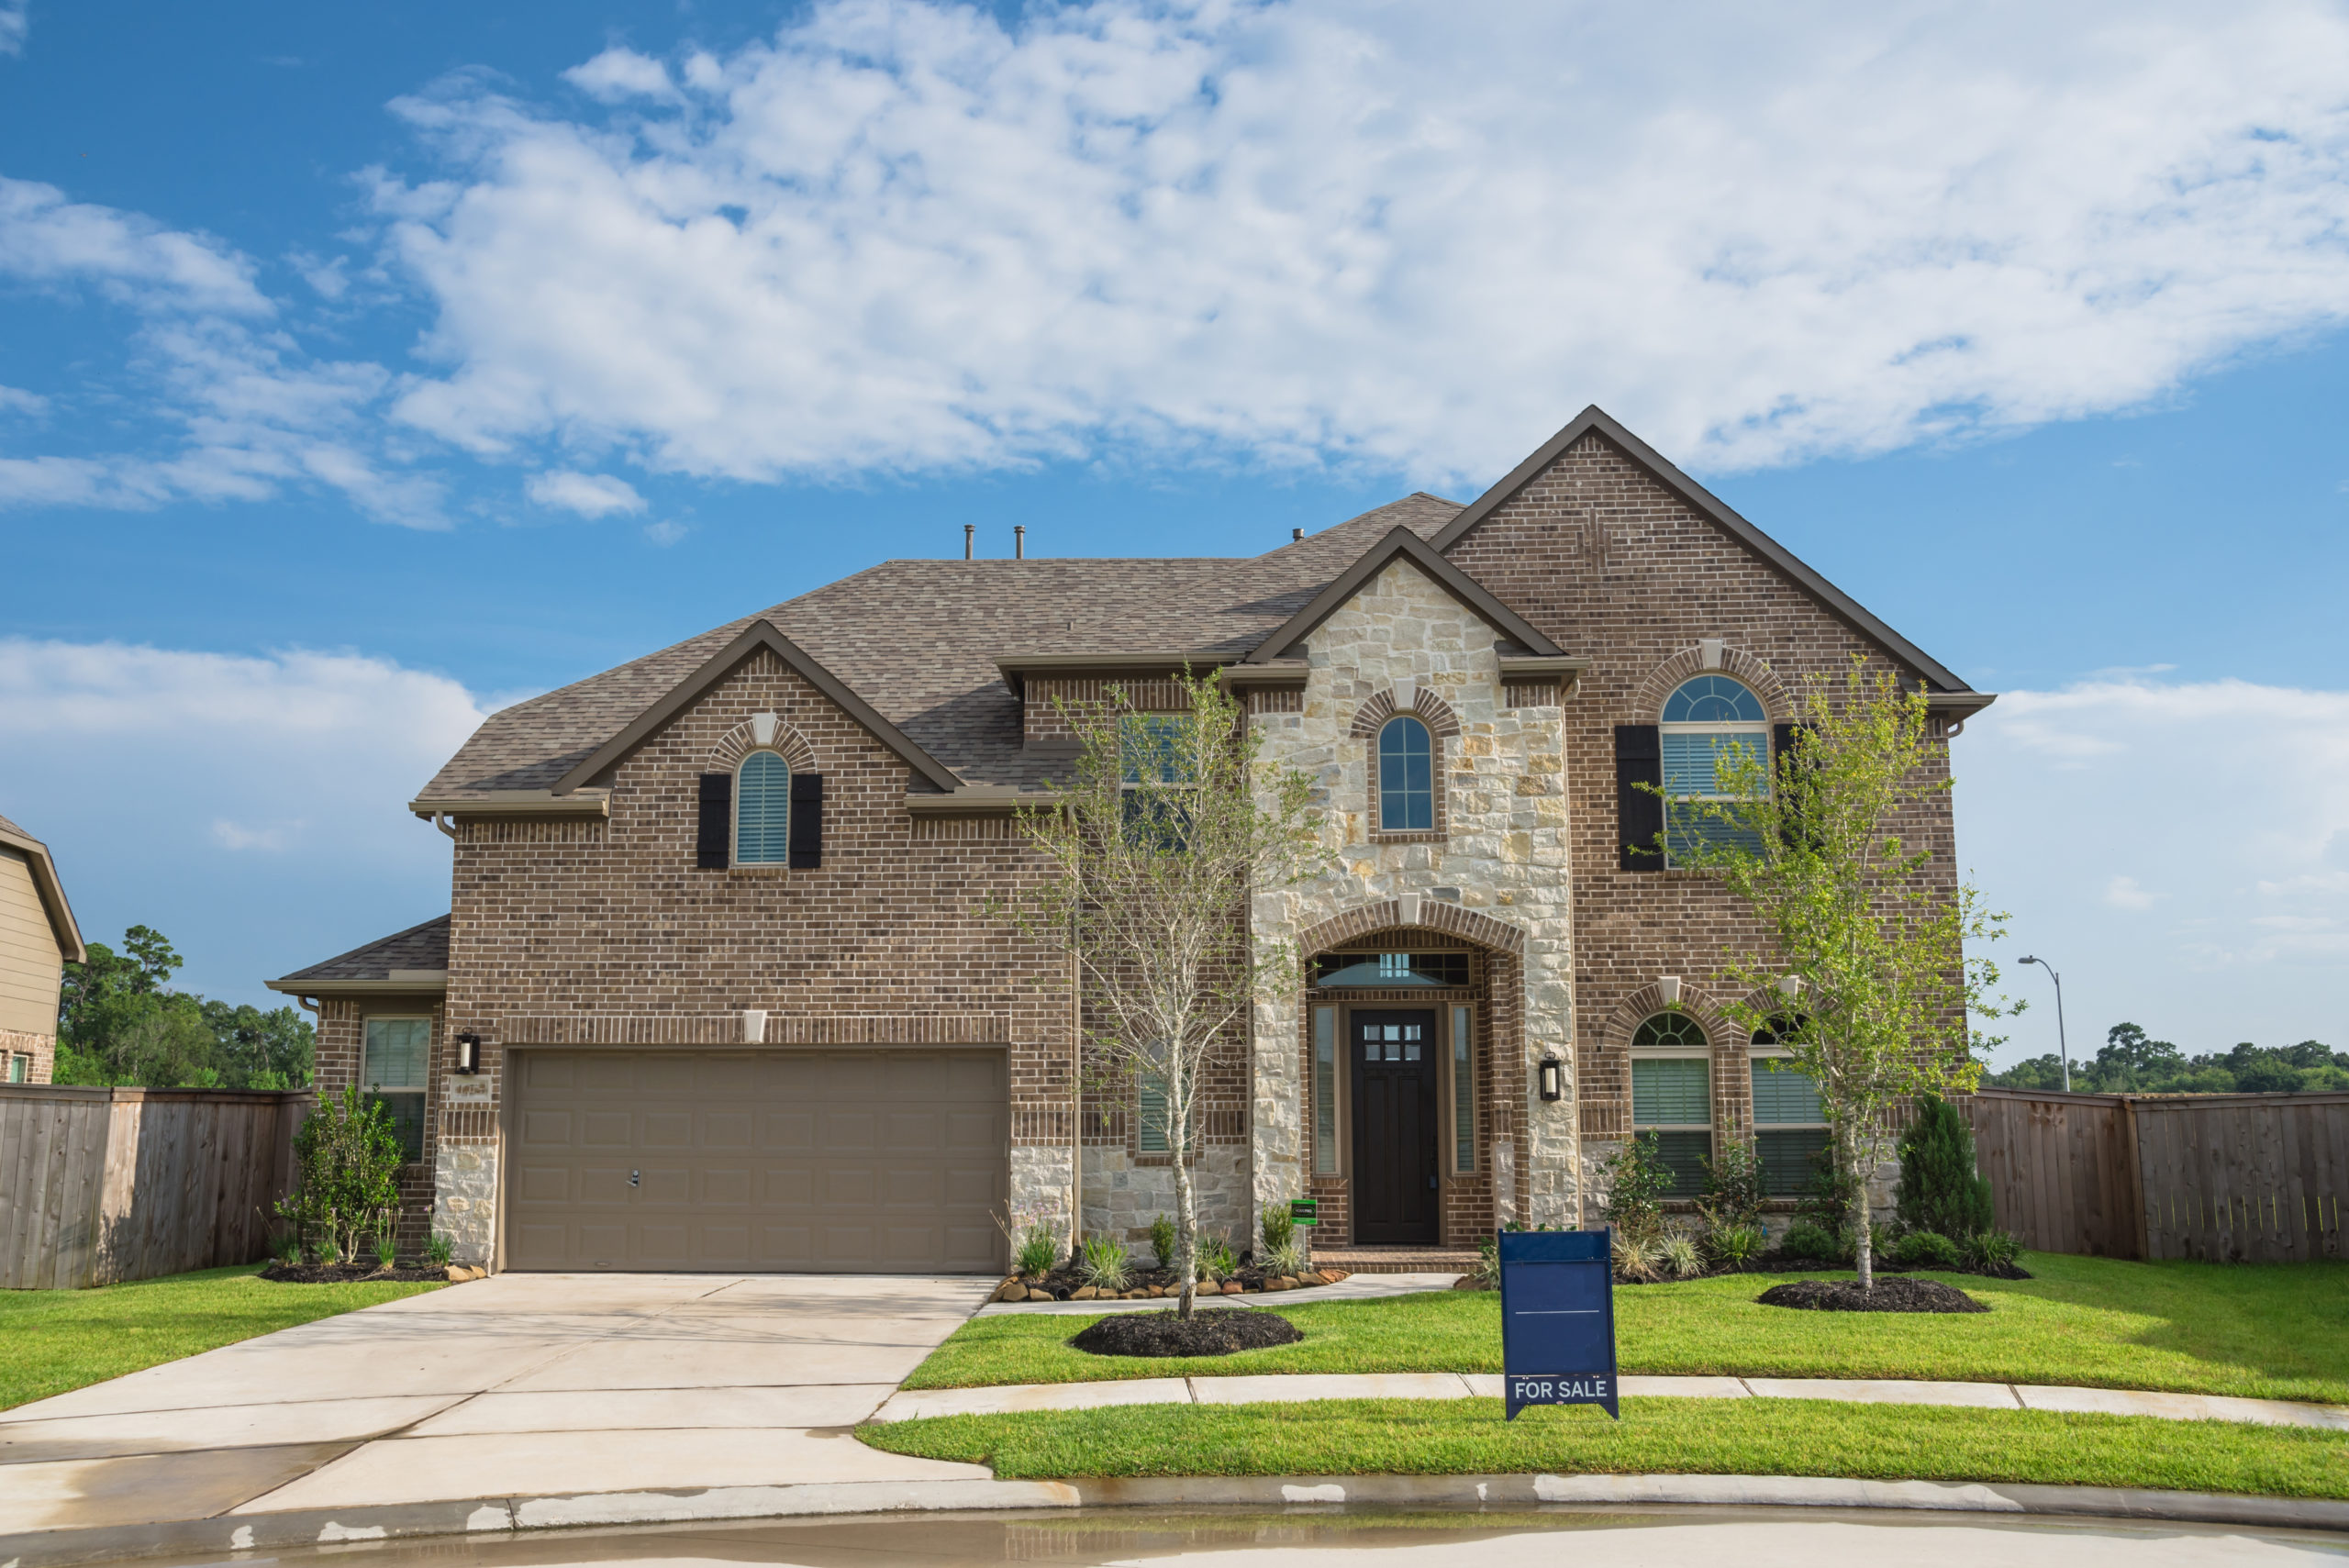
(1464, 1092)
(1325, 1091)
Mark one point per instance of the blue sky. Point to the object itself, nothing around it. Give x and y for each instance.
(364, 368)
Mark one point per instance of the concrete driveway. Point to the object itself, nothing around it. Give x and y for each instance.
(521, 1386)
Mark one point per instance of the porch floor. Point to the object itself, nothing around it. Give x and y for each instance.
(1397, 1260)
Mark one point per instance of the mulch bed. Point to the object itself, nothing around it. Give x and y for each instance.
(349, 1273)
(1215, 1332)
(1895, 1294)
(1065, 1283)
(1776, 1262)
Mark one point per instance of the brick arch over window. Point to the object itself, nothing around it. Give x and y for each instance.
(1435, 915)
(1646, 1002)
(1736, 662)
(1426, 706)
(739, 742)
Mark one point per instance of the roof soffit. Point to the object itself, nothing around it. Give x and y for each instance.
(1593, 420)
(1402, 543)
(760, 634)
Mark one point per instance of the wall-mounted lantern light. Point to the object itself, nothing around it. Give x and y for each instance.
(1669, 989)
(1554, 1078)
(469, 1053)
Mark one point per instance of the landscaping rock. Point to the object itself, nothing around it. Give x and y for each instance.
(1888, 1295)
(1214, 1333)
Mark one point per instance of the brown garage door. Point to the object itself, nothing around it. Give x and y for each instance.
(872, 1160)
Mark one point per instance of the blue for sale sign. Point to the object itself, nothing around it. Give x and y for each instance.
(1558, 1319)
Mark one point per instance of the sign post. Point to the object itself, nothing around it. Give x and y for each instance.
(1558, 1319)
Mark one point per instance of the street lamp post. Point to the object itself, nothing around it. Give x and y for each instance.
(2061, 1044)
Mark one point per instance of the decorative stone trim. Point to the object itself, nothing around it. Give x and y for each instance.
(742, 740)
(1529, 693)
(1736, 662)
(1434, 915)
(1424, 705)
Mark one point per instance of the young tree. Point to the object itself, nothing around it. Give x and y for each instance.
(1871, 984)
(1167, 826)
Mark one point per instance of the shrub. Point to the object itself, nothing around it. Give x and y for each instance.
(1279, 1228)
(1217, 1260)
(1828, 1205)
(1164, 1242)
(1808, 1238)
(1102, 1264)
(1288, 1258)
(1732, 1245)
(1733, 1186)
(1039, 1250)
(1636, 1181)
(347, 1164)
(1986, 1251)
(1680, 1257)
(1939, 1190)
(1926, 1250)
(440, 1250)
(286, 1248)
(388, 1252)
(1637, 1257)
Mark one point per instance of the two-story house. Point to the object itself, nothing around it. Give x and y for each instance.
(716, 991)
(38, 939)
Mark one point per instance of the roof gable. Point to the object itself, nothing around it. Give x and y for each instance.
(1403, 543)
(61, 924)
(760, 634)
(1595, 421)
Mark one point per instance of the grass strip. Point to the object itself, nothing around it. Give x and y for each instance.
(61, 1340)
(2278, 1331)
(1727, 1437)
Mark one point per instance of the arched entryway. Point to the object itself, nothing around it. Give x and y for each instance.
(1411, 1028)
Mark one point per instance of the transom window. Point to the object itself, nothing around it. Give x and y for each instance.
(763, 810)
(398, 1055)
(1406, 777)
(1790, 1122)
(1671, 1096)
(1704, 720)
(1375, 969)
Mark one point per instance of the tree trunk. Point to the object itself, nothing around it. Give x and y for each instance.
(1863, 1221)
(1178, 1145)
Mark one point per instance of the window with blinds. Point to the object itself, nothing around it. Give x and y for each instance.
(1325, 1091)
(1789, 1126)
(397, 1056)
(1671, 1096)
(763, 810)
(1149, 1110)
(1705, 720)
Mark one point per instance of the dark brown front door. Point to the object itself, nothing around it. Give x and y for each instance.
(1394, 1055)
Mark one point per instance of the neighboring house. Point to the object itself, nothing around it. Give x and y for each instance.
(38, 939)
(718, 940)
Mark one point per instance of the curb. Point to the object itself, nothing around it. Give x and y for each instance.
(508, 1516)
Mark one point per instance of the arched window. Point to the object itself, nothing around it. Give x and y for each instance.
(763, 810)
(1406, 777)
(1671, 1096)
(1704, 719)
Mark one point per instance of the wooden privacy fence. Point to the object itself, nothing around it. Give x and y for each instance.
(2242, 1178)
(102, 1186)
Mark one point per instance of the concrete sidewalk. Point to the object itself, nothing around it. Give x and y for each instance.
(916, 1405)
(521, 1386)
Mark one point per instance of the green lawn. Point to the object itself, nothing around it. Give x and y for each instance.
(1734, 1437)
(59, 1339)
(2274, 1331)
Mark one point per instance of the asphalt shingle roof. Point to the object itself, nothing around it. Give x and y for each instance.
(418, 947)
(918, 640)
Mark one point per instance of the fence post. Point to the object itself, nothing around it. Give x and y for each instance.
(2133, 1185)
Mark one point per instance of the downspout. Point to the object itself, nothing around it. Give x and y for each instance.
(1076, 1103)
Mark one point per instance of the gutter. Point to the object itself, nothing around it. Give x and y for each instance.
(399, 982)
(515, 803)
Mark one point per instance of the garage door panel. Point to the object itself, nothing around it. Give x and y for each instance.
(837, 1160)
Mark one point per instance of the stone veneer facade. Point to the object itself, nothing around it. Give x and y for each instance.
(585, 929)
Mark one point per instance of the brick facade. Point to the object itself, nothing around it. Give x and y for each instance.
(572, 928)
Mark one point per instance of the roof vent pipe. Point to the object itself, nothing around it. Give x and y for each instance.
(969, 530)
(1295, 535)
(1019, 541)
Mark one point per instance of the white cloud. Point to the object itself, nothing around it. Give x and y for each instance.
(666, 532)
(898, 235)
(15, 20)
(589, 495)
(17, 400)
(252, 412)
(179, 789)
(2228, 804)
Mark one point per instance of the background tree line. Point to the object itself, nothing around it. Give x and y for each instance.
(2131, 1063)
(119, 1021)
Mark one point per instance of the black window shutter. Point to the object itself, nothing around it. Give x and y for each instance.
(714, 836)
(1639, 816)
(806, 821)
(1782, 761)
